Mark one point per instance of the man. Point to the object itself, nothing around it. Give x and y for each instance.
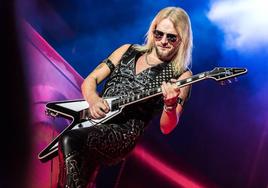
(130, 70)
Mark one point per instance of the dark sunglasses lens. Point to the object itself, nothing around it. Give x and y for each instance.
(158, 34)
(171, 38)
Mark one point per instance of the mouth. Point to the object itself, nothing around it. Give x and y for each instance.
(164, 47)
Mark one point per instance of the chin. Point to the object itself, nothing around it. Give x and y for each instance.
(163, 55)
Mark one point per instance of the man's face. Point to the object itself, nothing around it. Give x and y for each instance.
(166, 40)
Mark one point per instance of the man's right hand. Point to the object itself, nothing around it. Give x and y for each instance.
(98, 108)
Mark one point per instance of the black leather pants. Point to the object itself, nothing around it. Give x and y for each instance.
(82, 150)
(77, 169)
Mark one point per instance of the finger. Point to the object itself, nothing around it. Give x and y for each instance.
(100, 112)
(97, 113)
(172, 80)
(103, 107)
(175, 87)
(163, 88)
(107, 108)
(169, 88)
(93, 114)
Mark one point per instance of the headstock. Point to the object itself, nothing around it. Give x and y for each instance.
(224, 74)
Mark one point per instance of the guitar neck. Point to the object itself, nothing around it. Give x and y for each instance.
(127, 100)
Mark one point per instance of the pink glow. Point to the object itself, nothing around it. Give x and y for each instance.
(165, 170)
(51, 78)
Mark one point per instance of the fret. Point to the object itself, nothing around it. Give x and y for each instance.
(201, 75)
(189, 80)
(183, 82)
(194, 78)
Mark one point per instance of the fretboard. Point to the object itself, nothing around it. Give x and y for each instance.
(127, 100)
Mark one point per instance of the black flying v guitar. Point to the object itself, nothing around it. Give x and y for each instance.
(77, 110)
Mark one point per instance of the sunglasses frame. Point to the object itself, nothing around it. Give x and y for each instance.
(171, 38)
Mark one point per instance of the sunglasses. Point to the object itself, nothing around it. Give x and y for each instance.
(158, 35)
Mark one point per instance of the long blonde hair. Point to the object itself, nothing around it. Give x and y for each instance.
(182, 24)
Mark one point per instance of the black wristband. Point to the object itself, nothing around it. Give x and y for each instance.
(109, 63)
(180, 101)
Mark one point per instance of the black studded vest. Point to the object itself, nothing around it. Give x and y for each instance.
(124, 81)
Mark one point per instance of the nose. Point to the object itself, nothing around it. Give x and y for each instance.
(164, 40)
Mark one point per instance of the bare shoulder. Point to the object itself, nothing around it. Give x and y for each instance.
(118, 53)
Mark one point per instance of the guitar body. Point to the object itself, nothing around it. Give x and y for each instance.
(76, 111)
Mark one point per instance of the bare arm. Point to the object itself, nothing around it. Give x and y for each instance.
(170, 117)
(99, 107)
